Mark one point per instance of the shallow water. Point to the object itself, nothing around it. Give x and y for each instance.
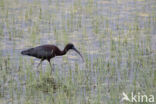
(116, 38)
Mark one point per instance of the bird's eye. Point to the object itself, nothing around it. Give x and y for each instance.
(73, 47)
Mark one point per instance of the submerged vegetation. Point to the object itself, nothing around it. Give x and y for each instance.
(116, 38)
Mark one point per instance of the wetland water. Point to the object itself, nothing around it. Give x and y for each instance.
(115, 37)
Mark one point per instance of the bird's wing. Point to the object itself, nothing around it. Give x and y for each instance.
(44, 51)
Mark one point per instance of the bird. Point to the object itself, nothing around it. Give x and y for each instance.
(48, 51)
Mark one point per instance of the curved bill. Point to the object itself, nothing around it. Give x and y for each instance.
(78, 52)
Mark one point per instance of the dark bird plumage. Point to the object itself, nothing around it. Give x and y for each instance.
(46, 52)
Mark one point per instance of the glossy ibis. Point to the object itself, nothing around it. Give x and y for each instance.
(46, 52)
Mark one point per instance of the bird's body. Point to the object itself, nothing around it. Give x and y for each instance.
(43, 52)
(46, 52)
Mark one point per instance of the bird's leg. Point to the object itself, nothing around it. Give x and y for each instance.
(52, 69)
(39, 63)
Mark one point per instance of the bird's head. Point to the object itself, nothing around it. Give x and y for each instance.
(69, 46)
(72, 47)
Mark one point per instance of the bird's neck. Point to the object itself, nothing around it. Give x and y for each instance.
(62, 52)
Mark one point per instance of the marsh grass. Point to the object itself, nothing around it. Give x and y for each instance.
(116, 39)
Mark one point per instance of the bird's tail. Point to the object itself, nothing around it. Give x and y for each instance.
(27, 52)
